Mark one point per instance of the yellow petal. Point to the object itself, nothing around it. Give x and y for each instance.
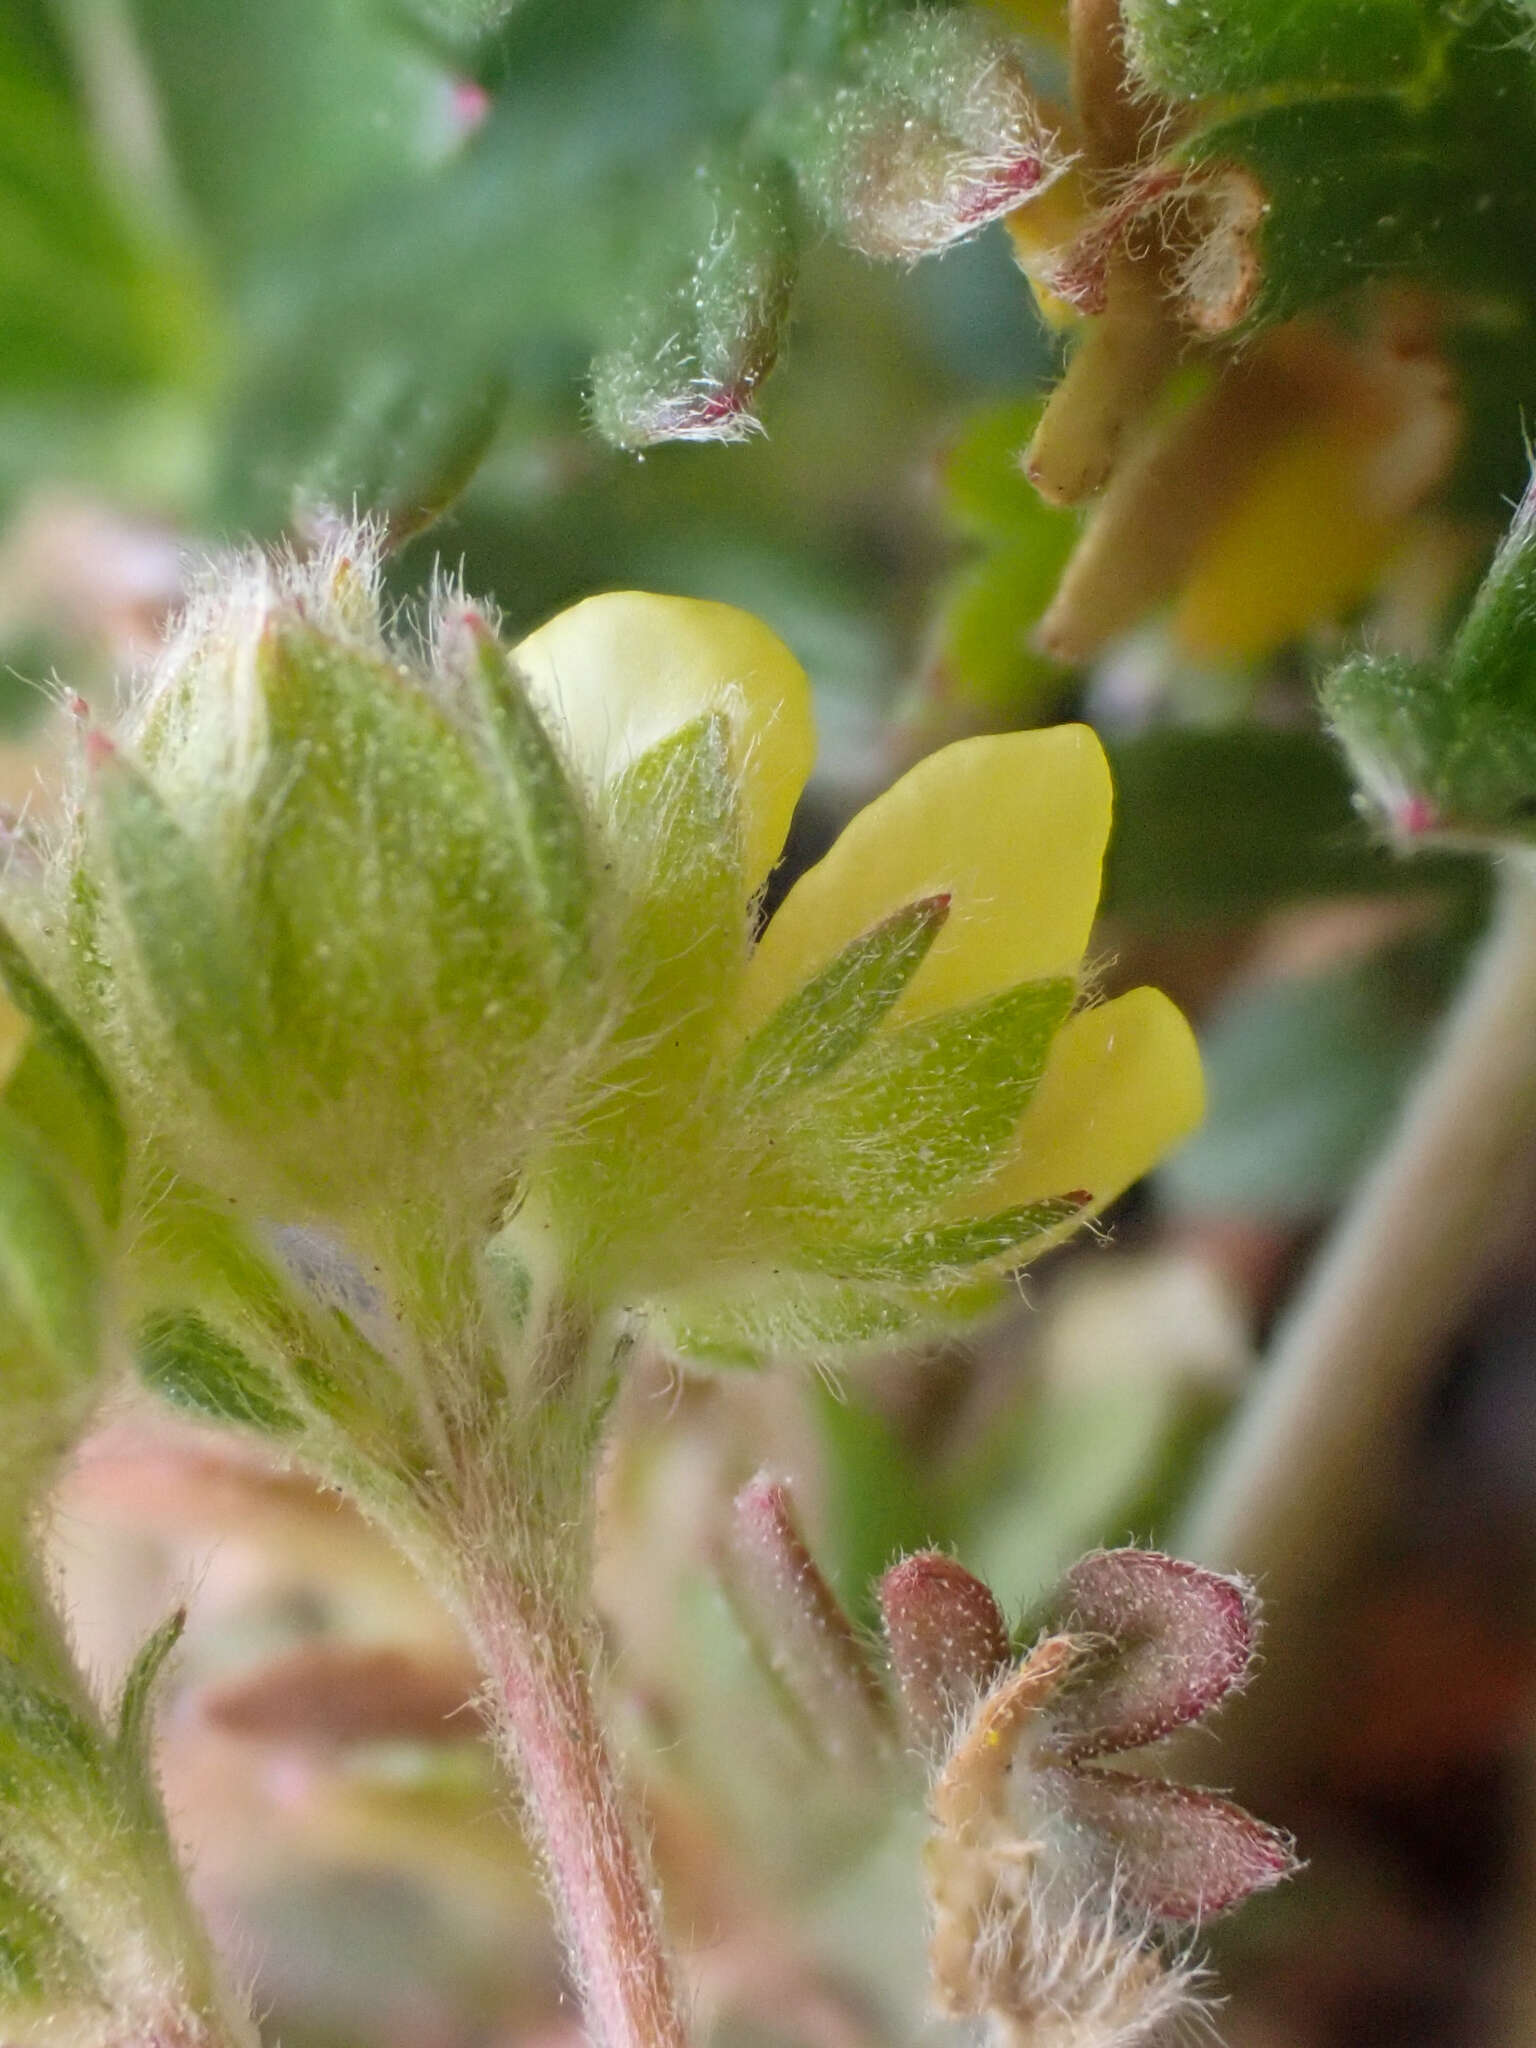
(1121, 1088)
(1011, 826)
(622, 671)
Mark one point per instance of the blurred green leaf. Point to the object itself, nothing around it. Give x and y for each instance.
(879, 1505)
(981, 475)
(90, 298)
(1219, 825)
(1304, 1078)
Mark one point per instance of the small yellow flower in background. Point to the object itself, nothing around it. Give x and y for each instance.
(833, 1134)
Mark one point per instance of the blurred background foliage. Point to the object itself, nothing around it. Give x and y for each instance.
(421, 255)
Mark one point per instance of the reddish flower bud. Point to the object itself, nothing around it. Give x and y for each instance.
(948, 1641)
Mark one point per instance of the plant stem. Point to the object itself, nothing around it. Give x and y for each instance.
(1292, 1490)
(551, 1740)
(508, 1542)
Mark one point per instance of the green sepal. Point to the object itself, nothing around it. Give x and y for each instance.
(135, 1703)
(764, 1314)
(59, 1090)
(925, 1109)
(544, 808)
(399, 923)
(49, 1752)
(826, 1021)
(44, 1969)
(50, 1344)
(205, 1374)
(1237, 47)
(933, 1255)
(198, 978)
(675, 810)
(789, 1318)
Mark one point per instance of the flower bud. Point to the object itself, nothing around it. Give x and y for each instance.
(330, 902)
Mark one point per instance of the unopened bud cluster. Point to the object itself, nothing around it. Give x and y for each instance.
(1057, 1886)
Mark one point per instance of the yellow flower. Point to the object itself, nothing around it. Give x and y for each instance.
(833, 1132)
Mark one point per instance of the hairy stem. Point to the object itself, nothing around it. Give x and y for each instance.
(550, 1738)
(509, 1544)
(1294, 1488)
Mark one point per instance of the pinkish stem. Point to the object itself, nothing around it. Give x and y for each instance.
(550, 1738)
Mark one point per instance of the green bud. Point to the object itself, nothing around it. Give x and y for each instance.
(1447, 751)
(332, 902)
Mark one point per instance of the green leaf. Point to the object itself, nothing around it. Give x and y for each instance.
(705, 329)
(60, 1090)
(1434, 185)
(279, 116)
(880, 1504)
(1238, 46)
(1449, 746)
(199, 1370)
(90, 301)
(982, 484)
(1304, 1078)
(826, 1021)
(984, 660)
(1080, 1464)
